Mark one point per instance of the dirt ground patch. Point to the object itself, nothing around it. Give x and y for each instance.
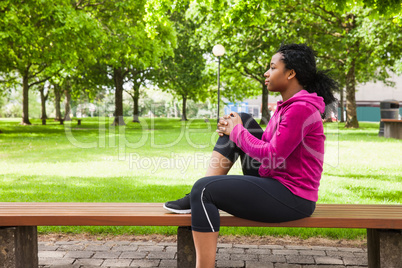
(245, 240)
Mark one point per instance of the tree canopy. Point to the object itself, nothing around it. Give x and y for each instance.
(184, 74)
(136, 37)
(87, 46)
(36, 40)
(360, 43)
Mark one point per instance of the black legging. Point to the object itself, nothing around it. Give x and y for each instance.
(246, 196)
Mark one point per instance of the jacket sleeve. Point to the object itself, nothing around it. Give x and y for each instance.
(291, 130)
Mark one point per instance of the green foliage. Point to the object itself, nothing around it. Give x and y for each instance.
(84, 43)
(184, 74)
(131, 39)
(359, 40)
(135, 37)
(80, 43)
(38, 40)
(340, 32)
(351, 38)
(247, 51)
(37, 35)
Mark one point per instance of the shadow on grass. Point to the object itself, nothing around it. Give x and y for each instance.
(105, 123)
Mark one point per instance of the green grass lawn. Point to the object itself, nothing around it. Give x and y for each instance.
(160, 159)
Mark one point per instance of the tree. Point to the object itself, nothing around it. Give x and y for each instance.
(67, 101)
(184, 74)
(246, 64)
(138, 79)
(36, 39)
(357, 45)
(248, 46)
(137, 34)
(358, 42)
(57, 99)
(43, 99)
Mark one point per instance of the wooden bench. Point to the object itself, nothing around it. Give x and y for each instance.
(19, 221)
(392, 128)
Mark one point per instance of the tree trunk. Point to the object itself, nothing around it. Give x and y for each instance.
(118, 112)
(351, 115)
(265, 115)
(67, 106)
(175, 109)
(43, 99)
(342, 106)
(25, 100)
(136, 97)
(57, 98)
(184, 114)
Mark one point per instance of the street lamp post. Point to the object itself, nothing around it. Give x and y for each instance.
(218, 51)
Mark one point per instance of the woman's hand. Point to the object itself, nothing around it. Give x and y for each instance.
(227, 123)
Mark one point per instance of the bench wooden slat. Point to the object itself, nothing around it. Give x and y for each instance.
(152, 214)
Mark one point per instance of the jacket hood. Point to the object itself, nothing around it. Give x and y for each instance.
(305, 96)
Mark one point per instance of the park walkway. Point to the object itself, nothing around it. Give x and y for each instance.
(90, 254)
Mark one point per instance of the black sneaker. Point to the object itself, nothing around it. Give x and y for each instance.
(180, 206)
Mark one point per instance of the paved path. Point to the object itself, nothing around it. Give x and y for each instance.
(90, 254)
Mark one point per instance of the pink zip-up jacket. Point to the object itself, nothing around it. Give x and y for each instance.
(291, 149)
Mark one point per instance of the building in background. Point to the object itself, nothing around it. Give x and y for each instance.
(369, 96)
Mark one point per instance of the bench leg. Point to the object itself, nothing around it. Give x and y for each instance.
(393, 130)
(185, 248)
(19, 247)
(373, 248)
(384, 248)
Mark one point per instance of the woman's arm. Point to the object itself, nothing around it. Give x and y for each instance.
(291, 130)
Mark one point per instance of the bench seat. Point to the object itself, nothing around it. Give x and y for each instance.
(153, 214)
(383, 224)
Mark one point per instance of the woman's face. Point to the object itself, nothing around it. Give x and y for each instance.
(277, 75)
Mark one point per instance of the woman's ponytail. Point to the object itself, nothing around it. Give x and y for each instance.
(300, 58)
(323, 85)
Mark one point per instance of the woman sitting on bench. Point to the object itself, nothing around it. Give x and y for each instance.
(282, 165)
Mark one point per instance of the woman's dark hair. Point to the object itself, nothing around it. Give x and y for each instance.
(300, 58)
